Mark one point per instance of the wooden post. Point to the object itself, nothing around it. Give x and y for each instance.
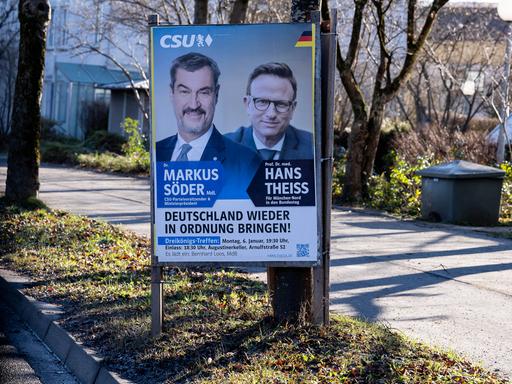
(157, 287)
(290, 292)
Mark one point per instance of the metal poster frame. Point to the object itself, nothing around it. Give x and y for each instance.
(319, 192)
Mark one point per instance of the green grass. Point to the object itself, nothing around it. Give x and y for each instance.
(101, 151)
(217, 323)
(111, 162)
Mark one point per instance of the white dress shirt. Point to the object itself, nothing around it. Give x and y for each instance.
(277, 147)
(198, 145)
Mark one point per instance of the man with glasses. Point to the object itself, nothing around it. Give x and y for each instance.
(270, 103)
(194, 95)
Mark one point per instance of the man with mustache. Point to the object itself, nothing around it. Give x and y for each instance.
(194, 95)
(271, 99)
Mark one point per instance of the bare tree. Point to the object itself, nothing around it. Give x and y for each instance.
(239, 12)
(23, 161)
(456, 71)
(200, 11)
(399, 42)
(8, 25)
(117, 21)
(9, 30)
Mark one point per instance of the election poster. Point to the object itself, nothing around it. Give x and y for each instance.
(234, 144)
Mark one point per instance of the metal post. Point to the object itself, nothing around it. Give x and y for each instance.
(500, 150)
(157, 287)
(320, 304)
(157, 300)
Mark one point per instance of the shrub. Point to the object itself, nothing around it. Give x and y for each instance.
(50, 132)
(483, 124)
(111, 162)
(134, 158)
(506, 194)
(136, 144)
(400, 193)
(104, 141)
(338, 178)
(384, 158)
(443, 145)
(94, 116)
(61, 152)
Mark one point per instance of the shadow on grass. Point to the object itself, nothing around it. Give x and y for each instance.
(119, 327)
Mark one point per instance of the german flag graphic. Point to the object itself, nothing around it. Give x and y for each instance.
(305, 40)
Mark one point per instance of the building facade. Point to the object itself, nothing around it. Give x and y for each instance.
(89, 65)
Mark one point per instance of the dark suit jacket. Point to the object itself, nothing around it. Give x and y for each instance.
(298, 144)
(239, 163)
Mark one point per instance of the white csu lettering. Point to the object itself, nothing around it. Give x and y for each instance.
(176, 41)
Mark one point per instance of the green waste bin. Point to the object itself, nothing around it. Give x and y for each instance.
(461, 192)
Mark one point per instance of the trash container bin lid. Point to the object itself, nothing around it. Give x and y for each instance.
(460, 169)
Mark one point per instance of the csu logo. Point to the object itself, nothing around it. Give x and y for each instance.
(185, 41)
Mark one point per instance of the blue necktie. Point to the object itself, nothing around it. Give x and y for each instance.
(185, 148)
(267, 154)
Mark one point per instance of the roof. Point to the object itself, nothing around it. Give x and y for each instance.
(138, 84)
(94, 74)
(468, 22)
(492, 137)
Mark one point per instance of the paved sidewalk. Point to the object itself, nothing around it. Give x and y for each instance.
(447, 285)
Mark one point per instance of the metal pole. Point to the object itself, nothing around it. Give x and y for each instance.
(500, 150)
(320, 304)
(157, 286)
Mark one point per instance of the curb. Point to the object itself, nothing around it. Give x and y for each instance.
(41, 317)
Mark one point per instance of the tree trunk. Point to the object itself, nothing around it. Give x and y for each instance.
(239, 12)
(372, 142)
(201, 12)
(365, 133)
(353, 186)
(301, 10)
(23, 161)
(363, 143)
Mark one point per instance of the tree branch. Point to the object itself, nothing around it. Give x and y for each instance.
(413, 47)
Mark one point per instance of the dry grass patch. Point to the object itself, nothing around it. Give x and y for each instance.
(217, 324)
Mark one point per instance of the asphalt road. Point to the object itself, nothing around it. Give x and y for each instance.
(24, 359)
(14, 369)
(446, 285)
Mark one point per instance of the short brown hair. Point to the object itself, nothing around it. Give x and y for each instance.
(192, 62)
(277, 69)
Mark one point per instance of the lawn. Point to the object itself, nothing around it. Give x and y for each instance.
(218, 327)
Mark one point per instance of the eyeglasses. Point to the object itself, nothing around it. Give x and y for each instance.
(281, 106)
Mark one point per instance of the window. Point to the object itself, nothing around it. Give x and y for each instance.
(61, 101)
(57, 36)
(478, 78)
(47, 99)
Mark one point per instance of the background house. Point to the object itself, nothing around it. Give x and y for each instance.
(460, 72)
(89, 65)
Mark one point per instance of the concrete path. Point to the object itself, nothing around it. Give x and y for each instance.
(449, 286)
(442, 284)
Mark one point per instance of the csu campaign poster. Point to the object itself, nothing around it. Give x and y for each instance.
(233, 144)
